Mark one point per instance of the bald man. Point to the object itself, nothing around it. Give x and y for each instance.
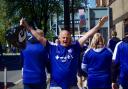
(64, 57)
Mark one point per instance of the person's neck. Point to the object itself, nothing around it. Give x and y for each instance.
(113, 36)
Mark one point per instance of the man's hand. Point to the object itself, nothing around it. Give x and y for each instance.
(115, 86)
(102, 21)
(80, 82)
(93, 30)
(23, 23)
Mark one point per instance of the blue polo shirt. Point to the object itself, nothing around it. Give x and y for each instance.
(120, 58)
(64, 64)
(98, 67)
(112, 43)
(35, 57)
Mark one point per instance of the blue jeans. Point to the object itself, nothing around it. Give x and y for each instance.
(34, 86)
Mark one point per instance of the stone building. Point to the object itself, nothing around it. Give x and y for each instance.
(119, 14)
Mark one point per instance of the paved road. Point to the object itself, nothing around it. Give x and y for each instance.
(13, 78)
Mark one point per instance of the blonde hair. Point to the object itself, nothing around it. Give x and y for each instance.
(97, 41)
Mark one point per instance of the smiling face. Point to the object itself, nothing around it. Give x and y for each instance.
(65, 38)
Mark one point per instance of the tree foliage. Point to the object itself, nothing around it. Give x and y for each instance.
(3, 21)
(37, 11)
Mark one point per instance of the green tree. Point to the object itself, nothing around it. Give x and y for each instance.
(3, 21)
(36, 11)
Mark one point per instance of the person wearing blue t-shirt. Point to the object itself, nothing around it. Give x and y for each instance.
(96, 63)
(64, 56)
(113, 41)
(120, 59)
(35, 58)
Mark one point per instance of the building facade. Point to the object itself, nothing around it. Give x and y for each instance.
(119, 14)
(101, 3)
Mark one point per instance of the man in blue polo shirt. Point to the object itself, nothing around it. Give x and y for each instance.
(120, 58)
(113, 41)
(64, 56)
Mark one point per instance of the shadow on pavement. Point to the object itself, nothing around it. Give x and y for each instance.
(9, 84)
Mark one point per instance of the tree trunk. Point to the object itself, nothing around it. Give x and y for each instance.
(45, 24)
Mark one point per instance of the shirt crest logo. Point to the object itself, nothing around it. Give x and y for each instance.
(70, 51)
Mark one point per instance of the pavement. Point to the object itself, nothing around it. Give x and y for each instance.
(17, 86)
(12, 79)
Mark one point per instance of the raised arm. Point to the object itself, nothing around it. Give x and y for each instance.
(39, 37)
(93, 30)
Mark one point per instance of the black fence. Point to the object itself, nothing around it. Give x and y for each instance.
(11, 62)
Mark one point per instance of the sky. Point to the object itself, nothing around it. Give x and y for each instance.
(91, 3)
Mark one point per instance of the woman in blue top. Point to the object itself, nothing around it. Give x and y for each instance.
(64, 56)
(35, 58)
(97, 62)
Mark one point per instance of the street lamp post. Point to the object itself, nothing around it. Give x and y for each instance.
(73, 30)
(66, 15)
